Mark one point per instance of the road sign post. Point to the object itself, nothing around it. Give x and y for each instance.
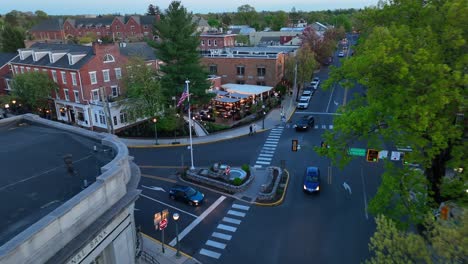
(160, 223)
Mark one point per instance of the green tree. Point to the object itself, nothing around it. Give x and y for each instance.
(151, 10)
(143, 91)
(226, 20)
(306, 64)
(412, 63)
(178, 49)
(213, 22)
(246, 15)
(33, 89)
(12, 39)
(41, 14)
(279, 20)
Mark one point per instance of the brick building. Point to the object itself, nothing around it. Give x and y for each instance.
(115, 27)
(249, 65)
(88, 79)
(5, 72)
(212, 42)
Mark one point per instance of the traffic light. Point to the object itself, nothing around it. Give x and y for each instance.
(372, 155)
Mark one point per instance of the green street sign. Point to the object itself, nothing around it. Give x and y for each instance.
(357, 152)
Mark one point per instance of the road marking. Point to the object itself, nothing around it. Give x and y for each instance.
(365, 195)
(331, 95)
(330, 126)
(215, 244)
(258, 166)
(266, 155)
(277, 129)
(154, 188)
(264, 158)
(347, 187)
(158, 178)
(270, 145)
(198, 220)
(316, 126)
(272, 140)
(324, 126)
(317, 113)
(231, 220)
(242, 207)
(210, 253)
(274, 133)
(263, 162)
(227, 227)
(267, 151)
(236, 213)
(221, 236)
(180, 210)
(274, 137)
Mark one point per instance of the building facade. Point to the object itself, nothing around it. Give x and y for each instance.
(88, 79)
(216, 42)
(249, 65)
(5, 72)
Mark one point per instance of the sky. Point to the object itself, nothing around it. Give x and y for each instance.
(70, 7)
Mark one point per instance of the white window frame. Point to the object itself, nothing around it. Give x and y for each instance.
(102, 117)
(54, 75)
(92, 75)
(44, 70)
(209, 42)
(67, 95)
(203, 42)
(73, 77)
(108, 58)
(215, 42)
(22, 69)
(36, 69)
(123, 118)
(116, 94)
(106, 75)
(118, 73)
(28, 69)
(64, 77)
(77, 96)
(95, 95)
(16, 69)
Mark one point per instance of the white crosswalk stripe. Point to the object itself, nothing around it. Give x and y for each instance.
(236, 213)
(330, 126)
(269, 148)
(274, 136)
(240, 206)
(221, 236)
(257, 166)
(231, 220)
(227, 227)
(270, 145)
(272, 141)
(264, 158)
(266, 155)
(263, 162)
(215, 244)
(210, 253)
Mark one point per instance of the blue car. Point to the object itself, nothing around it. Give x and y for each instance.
(311, 180)
(186, 194)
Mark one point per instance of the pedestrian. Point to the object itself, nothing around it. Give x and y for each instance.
(250, 130)
(254, 128)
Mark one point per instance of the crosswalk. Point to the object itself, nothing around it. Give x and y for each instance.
(224, 231)
(269, 147)
(323, 126)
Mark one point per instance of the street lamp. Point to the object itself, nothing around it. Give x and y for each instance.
(155, 120)
(175, 216)
(263, 120)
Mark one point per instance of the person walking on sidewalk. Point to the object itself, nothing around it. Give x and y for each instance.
(254, 128)
(250, 130)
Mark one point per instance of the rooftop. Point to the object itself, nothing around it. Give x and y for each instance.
(35, 179)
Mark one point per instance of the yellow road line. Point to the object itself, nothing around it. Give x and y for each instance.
(165, 245)
(158, 178)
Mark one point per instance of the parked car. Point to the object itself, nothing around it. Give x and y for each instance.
(303, 102)
(307, 93)
(186, 194)
(315, 82)
(311, 180)
(304, 123)
(341, 54)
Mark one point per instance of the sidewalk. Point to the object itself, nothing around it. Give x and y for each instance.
(152, 253)
(272, 120)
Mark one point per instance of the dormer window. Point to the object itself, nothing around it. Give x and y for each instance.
(108, 58)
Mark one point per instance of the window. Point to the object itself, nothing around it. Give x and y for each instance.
(203, 43)
(240, 70)
(261, 83)
(92, 77)
(57, 95)
(115, 120)
(117, 27)
(64, 77)
(115, 91)
(28, 69)
(44, 70)
(67, 95)
(102, 118)
(81, 117)
(54, 76)
(36, 69)
(213, 69)
(22, 69)
(209, 42)
(132, 27)
(145, 27)
(105, 75)
(77, 96)
(118, 73)
(123, 118)
(16, 69)
(95, 118)
(215, 43)
(95, 95)
(261, 71)
(240, 82)
(108, 58)
(73, 77)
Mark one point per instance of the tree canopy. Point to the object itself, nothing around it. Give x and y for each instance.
(33, 89)
(12, 39)
(411, 61)
(178, 49)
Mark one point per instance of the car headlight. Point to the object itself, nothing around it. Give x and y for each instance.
(195, 201)
(305, 187)
(318, 188)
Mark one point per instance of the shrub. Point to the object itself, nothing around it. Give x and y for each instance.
(237, 181)
(213, 127)
(246, 168)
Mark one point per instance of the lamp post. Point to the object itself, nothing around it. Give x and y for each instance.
(263, 120)
(175, 216)
(155, 120)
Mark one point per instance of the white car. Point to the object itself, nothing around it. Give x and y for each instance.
(303, 102)
(307, 93)
(341, 54)
(315, 83)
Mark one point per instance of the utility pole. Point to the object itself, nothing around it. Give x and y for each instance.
(296, 89)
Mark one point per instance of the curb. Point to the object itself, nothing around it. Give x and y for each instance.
(185, 144)
(280, 201)
(166, 245)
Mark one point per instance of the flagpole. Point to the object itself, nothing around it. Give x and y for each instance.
(190, 124)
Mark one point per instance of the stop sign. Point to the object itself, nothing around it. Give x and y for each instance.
(163, 224)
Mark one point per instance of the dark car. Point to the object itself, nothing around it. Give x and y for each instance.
(186, 194)
(311, 180)
(304, 123)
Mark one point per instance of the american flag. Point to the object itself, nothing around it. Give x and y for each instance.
(228, 170)
(183, 96)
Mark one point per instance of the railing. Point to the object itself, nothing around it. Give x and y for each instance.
(147, 257)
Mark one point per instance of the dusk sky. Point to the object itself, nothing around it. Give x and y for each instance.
(60, 7)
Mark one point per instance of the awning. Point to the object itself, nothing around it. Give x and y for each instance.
(246, 88)
(226, 100)
(219, 92)
(238, 95)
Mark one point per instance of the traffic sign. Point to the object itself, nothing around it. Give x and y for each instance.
(163, 224)
(357, 152)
